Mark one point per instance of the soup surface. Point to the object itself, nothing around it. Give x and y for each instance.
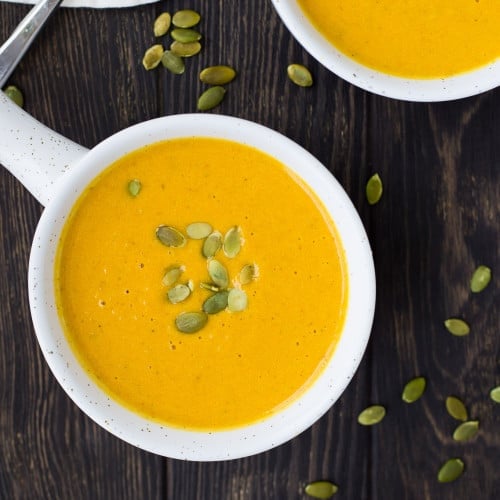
(411, 38)
(241, 366)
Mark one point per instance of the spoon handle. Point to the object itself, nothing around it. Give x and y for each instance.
(22, 37)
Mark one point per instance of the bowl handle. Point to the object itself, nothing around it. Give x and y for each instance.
(32, 152)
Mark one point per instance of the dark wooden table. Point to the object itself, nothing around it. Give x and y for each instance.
(438, 219)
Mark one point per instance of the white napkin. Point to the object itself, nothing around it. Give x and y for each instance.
(95, 4)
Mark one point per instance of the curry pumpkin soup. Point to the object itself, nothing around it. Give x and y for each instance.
(201, 283)
(411, 38)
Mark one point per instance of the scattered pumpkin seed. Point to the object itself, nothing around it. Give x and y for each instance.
(198, 230)
(170, 236)
(371, 415)
(172, 274)
(218, 273)
(216, 303)
(413, 390)
(248, 273)
(232, 242)
(211, 98)
(495, 394)
(321, 489)
(185, 35)
(457, 327)
(466, 430)
(212, 244)
(450, 470)
(186, 18)
(185, 49)
(134, 187)
(237, 300)
(374, 189)
(456, 408)
(173, 63)
(13, 93)
(191, 322)
(179, 293)
(152, 57)
(217, 75)
(299, 75)
(162, 24)
(480, 279)
(210, 286)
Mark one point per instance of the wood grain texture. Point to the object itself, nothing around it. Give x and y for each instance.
(437, 220)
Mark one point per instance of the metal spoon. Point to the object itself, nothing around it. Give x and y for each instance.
(14, 48)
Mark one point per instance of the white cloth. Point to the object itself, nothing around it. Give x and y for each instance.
(95, 4)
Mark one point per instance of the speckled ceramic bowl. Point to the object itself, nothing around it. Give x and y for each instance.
(38, 157)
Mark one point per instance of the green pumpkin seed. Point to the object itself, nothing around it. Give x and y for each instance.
(217, 75)
(134, 187)
(495, 394)
(152, 57)
(374, 189)
(248, 273)
(211, 98)
(413, 390)
(216, 303)
(218, 273)
(480, 279)
(212, 244)
(13, 93)
(371, 415)
(191, 322)
(185, 49)
(321, 489)
(173, 63)
(172, 274)
(162, 24)
(186, 18)
(299, 75)
(179, 293)
(232, 242)
(452, 469)
(456, 408)
(185, 35)
(210, 286)
(457, 327)
(170, 236)
(198, 230)
(237, 300)
(466, 430)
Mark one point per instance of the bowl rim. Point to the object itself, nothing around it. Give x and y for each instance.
(189, 444)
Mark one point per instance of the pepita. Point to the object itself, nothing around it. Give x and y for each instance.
(185, 49)
(299, 75)
(198, 230)
(237, 300)
(191, 322)
(178, 293)
(152, 57)
(186, 18)
(173, 63)
(232, 242)
(172, 275)
(134, 187)
(456, 408)
(452, 469)
(212, 244)
(495, 394)
(480, 279)
(185, 35)
(211, 98)
(466, 430)
(218, 273)
(216, 303)
(374, 189)
(170, 236)
(13, 93)
(413, 390)
(321, 489)
(162, 24)
(371, 415)
(248, 273)
(217, 75)
(457, 327)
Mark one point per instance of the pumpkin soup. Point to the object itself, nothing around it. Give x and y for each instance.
(411, 38)
(201, 283)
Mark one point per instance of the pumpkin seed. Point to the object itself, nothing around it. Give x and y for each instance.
(172, 274)
(186, 18)
(218, 273)
(178, 293)
(134, 187)
(413, 390)
(480, 279)
(217, 75)
(321, 489)
(232, 242)
(216, 303)
(152, 57)
(211, 98)
(162, 24)
(299, 75)
(374, 189)
(456, 408)
(450, 470)
(210, 286)
(173, 63)
(191, 322)
(212, 244)
(13, 93)
(457, 327)
(170, 236)
(371, 415)
(495, 394)
(248, 273)
(466, 430)
(185, 49)
(237, 300)
(185, 35)
(198, 230)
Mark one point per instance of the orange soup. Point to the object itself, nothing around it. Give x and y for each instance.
(115, 285)
(411, 38)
